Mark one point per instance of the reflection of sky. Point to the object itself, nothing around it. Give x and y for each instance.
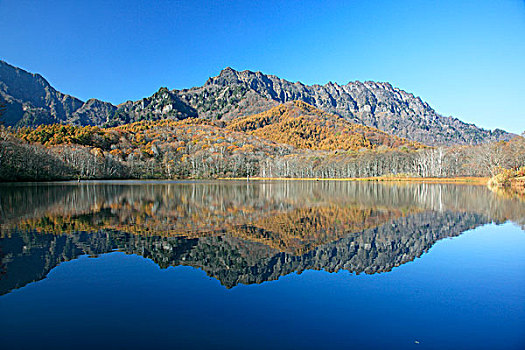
(466, 293)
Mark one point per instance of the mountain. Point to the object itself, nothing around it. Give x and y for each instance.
(31, 101)
(374, 104)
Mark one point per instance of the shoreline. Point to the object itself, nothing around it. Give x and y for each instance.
(471, 180)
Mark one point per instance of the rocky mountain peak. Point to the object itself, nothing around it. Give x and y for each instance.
(226, 77)
(31, 100)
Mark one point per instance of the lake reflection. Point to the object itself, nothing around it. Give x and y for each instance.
(238, 232)
(260, 265)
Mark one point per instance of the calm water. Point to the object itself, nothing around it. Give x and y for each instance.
(292, 265)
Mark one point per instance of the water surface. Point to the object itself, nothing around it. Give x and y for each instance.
(261, 265)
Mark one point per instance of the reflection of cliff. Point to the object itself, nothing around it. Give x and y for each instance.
(29, 256)
(371, 251)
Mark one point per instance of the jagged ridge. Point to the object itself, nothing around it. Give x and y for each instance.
(31, 100)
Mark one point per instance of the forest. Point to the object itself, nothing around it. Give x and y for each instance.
(293, 140)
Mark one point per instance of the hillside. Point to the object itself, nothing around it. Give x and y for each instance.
(32, 101)
(151, 149)
(283, 142)
(303, 126)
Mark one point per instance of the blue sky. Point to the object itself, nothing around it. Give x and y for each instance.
(466, 58)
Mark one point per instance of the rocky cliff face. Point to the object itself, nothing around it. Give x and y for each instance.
(93, 112)
(369, 103)
(31, 100)
(163, 104)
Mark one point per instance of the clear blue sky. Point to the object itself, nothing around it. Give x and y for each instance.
(466, 58)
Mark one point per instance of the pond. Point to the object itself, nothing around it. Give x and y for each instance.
(260, 264)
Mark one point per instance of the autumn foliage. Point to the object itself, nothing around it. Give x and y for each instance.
(304, 126)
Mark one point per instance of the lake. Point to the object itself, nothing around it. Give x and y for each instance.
(260, 264)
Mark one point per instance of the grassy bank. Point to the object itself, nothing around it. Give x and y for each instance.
(510, 178)
(509, 183)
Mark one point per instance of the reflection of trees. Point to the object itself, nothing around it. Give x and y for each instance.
(238, 232)
(3, 268)
(195, 207)
(509, 192)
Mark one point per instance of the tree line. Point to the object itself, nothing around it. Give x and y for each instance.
(194, 148)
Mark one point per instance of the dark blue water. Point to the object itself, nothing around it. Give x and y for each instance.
(466, 291)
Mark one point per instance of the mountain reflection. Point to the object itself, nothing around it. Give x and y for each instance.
(237, 232)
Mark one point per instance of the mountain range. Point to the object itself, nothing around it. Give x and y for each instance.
(30, 101)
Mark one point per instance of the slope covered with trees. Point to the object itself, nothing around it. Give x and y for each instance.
(163, 149)
(304, 126)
